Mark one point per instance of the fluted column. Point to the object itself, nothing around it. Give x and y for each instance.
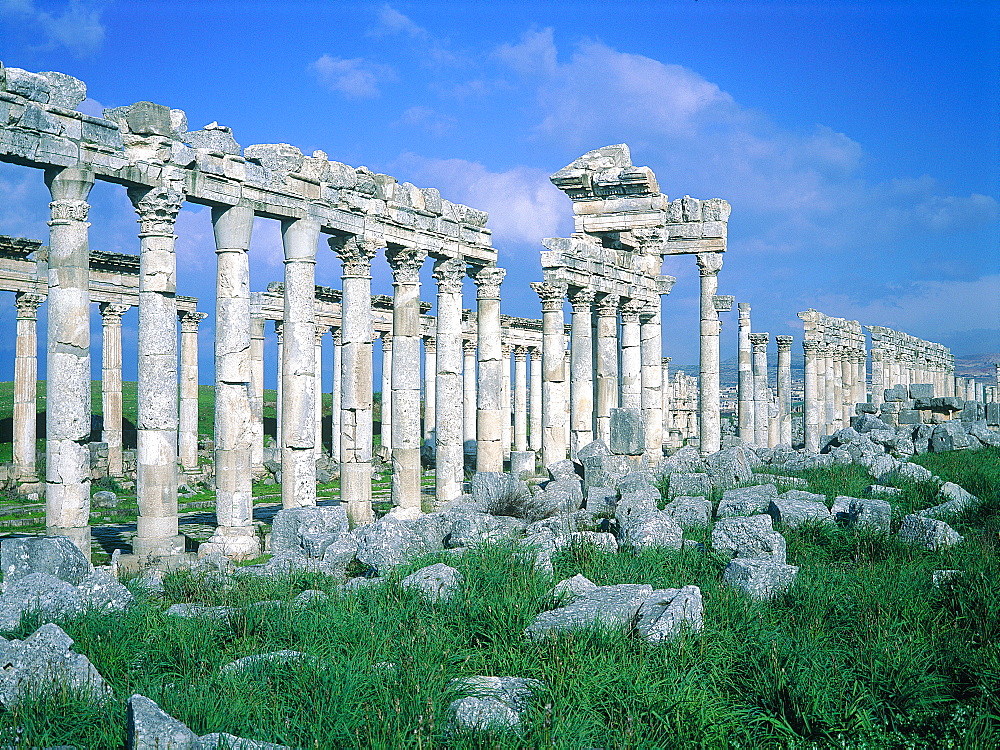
(386, 429)
(710, 418)
(762, 393)
(520, 398)
(318, 369)
(666, 400)
(406, 263)
(651, 352)
(784, 389)
(67, 422)
(430, 391)
(257, 322)
(450, 397)
(810, 400)
(356, 332)
(535, 401)
(745, 384)
(553, 371)
(111, 383)
(187, 429)
(581, 369)
(26, 391)
(335, 390)
(606, 315)
(840, 397)
(631, 369)
(235, 535)
(489, 411)
(469, 390)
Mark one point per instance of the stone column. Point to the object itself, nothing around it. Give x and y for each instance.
(581, 369)
(811, 405)
(335, 391)
(667, 422)
(279, 337)
(535, 401)
(745, 384)
(830, 375)
(520, 398)
(299, 390)
(762, 392)
(386, 433)
(553, 371)
(878, 377)
(651, 353)
(405, 384)
(111, 383)
(631, 370)
(506, 408)
(430, 402)
(26, 391)
(318, 386)
(860, 378)
(235, 535)
(489, 411)
(257, 322)
(450, 397)
(356, 332)
(849, 376)
(469, 390)
(67, 421)
(187, 431)
(841, 386)
(710, 422)
(606, 316)
(784, 389)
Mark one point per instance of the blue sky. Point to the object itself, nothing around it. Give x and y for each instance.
(857, 141)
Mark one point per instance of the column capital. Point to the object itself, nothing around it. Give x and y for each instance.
(759, 341)
(111, 313)
(709, 264)
(27, 305)
(405, 263)
(488, 280)
(157, 209)
(551, 294)
(666, 360)
(337, 339)
(812, 347)
(650, 311)
(65, 210)
(506, 349)
(469, 346)
(520, 353)
(581, 299)
(430, 344)
(191, 318)
(534, 354)
(607, 305)
(631, 310)
(744, 310)
(321, 332)
(450, 273)
(784, 343)
(386, 337)
(355, 252)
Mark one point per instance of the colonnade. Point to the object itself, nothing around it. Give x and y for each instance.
(901, 359)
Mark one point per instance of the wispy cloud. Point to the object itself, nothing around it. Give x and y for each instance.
(76, 26)
(435, 123)
(434, 51)
(356, 77)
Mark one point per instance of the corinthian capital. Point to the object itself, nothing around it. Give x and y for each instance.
(68, 209)
(551, 294)
(488, 280)
(355, 252)
(27, 305)
(157, 209)
(405, 263)
(709, 264)
(190, 320)
(111, 314)
(582, 299)
(449, 272)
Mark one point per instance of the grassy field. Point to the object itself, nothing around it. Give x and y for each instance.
(863, 651)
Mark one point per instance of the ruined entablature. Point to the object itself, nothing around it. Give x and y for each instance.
(832, 332)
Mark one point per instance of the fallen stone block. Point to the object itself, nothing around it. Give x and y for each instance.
(689, 512)
(871, 513)
(746, 501)
(491, 703)
(47, 596)
(878, 490)
(943, 578)
(601, 499)
(45, 660)
(668, 613)
(761, 580)
(796, 507)
(272, 659)
(956, 501)
(293, 528)
(151, 728)
(387, 543)
(436, 583)
(606, 606)
(572, 588)
(652, 530)
(53, 555)
(689, 485)
(103, 592)
(927, 533)
(751, 537)
(628, 435)
(189, 611)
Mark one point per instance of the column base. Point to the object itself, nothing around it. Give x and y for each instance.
(234, 542)
(79, 535)
(148, 548)
(30, 486)
(405, 514)
(522, 461)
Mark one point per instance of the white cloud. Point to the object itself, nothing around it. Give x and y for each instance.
(434, 51)
(433, 122)
(356, 78)
(523, 205)
(77, 27)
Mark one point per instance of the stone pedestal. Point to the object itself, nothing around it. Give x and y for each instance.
(449, 433)
(745, 384)
(26, 392)
(187, 431)
(489, 409)
(710, 419)
(553, 371)
(606, 318)
(581, 369)
(67, 422)
(784, 389)
(762, 393)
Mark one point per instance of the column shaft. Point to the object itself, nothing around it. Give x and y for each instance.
(469, 391)
(449, 398)
(581, 370)
(257, 386)
(430, 389)
(335, 390)
(652, 379)
(187, 430)
(553, 371)
(607, 363)
(489, 410)
(26, 391)
(318, 385)
(631, 370)
(745, 383)
(810, 399)
(386, 409)
(535, 401)
(784, 389)
(520, 399)
(762, 393)
(111, 383)
(710, 422)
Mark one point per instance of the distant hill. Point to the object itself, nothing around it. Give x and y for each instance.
(976, 365)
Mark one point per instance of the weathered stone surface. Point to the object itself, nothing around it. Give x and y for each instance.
(669, 613)
(882, 466)
(689, 512)
(55, 555)
(949, 436)
(605, 470)
(45, 595)
(607, 606)
(867, 422)
(927, 533)
(732, 466)
(573, 487)
(914, 472)
(491, 703)
(151, 728)
(601, 500)
(103, 592)
(590, 450)
(564, 469)
(872, 513)
(436, 583)
(687, 460)
(796, 507)
(921, 390)
(760, 579)
(653, 530)
(45, 660)
(104, 499)
(628, 436)
(635, 506)
(472, 529)
(572, 588)
(689, 484)
(296, 528)
(955, 501)
(499, 493)
(271, 659)
(603, 541)
(746, 501)
(387, 543)
(983, 433)
(751, 537)
(188, 611)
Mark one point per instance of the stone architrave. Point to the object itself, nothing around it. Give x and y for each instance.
(405, 263)
(762, 393)
(157, 387)
(26, 391)
(187, 429)
(469, 391)
(67, 420)
(631, 354)
(386, 409)
(745, 384)
(257, 322)
(235, 536)
(535, 400)
(581, 369)
(299, 392)
(489, 410)
(318, 369)
(810, 398)
(710, 417)
(449, 433)
(520, 398)
(553, 371)
(430, 395)
(606, 365)
(784, 389)
(111, 383)
(335, 390)
(356, 332)
(651, 380)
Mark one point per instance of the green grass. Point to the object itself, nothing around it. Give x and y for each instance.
(862, 652)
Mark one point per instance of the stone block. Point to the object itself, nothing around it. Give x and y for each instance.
(497, 492)
(983, 433)
(797, 507)
(908, 416)
(993, 414)
(871, 513)
(948, 403)
(572, 588)
(636, 504)
(689, 484)
(865, 408)
(867, 422)
(751, 537)
(590, 450)
(667, 614)
(50, 598)
(601, 499)
(436, 583)
(103, 592)
(291, 527)
(491, 703)
(922, 390)
(949, 436)
(628, 436)
(732, 466)
(54, 555)
(894, 394)
(689, 512)
(927, 533)
(761, 580)
(955, 500)
(387, 543)
(564, 469)
(746, 501)
(604, 606)
(43, 662)
(655, 529)
(606, 470)
(522, 464)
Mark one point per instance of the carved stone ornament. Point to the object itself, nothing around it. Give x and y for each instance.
(157, 209)
(488, 280)
(27, 305)
(190, 320)
(111, 314)
(607, 305)
(709, 264)
(582, 299)
(631, 310)
(406, 263)
(449, 274)
(356, 252)
(68, 209)
(551, 294)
